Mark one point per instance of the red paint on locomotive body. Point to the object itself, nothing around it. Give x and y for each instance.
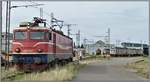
(28, 45)
(63, 45)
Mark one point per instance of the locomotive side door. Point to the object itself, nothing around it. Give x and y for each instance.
(54, 43)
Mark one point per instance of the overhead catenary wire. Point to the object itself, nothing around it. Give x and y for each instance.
(44, 12)
(48, 14)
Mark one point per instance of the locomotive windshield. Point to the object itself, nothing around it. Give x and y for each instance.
(37, 35)
(20, 35)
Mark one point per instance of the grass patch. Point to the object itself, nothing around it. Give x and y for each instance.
(67, 72)
(141, 67)
(10, 73)
(7, 72)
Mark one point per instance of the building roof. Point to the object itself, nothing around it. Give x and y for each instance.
(100, 42)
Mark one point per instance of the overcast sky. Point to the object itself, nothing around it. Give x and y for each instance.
(128, 21)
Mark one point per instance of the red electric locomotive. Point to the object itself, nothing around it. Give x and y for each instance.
(36, 47)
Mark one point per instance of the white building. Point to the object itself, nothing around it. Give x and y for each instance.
(91, 48)
(102, 46)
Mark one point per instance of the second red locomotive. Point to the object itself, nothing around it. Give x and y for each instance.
(36, 47)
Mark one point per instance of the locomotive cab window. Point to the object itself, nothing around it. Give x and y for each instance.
(37, 35)
(20, 35)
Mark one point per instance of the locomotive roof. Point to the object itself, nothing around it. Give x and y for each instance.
(31, 28)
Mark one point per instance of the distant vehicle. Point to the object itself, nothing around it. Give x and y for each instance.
(121, 51)
(35, 47)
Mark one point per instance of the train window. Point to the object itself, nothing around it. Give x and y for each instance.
(20, 35)
(37, 35)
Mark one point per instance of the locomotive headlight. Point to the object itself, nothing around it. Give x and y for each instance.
(17, 50)
(39, 50)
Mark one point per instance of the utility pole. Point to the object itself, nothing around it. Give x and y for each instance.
(6, 30)
(52, 17)
(78, 38)
(84, 42)
(56, 22)
(0, 30)
(9, 11)
(0, 33)
(41, 12)
(7, 35)
(109, 44)
(68, 27)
